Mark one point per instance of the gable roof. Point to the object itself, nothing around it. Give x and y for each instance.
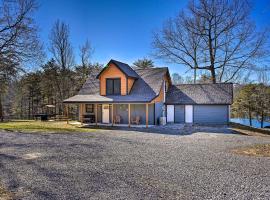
(125, 68)
(146, 87)
(91, 85)
(220, 93)
(153, 77)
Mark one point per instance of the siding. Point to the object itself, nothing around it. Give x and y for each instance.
(158, 111)
(99, 113)
(135, 109)
(130, 83)
(122, 110)
(151, 117)
(210, 114)
(113, 72)
(160, 97)
(140, 110)
(179, 114)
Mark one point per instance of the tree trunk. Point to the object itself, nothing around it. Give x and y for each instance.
(262, 118)
(29, 105)
(212, 57)
(21, 107)
(250, 117)
(213, 75)
(1, 109)
(32, 105)
(195, 75)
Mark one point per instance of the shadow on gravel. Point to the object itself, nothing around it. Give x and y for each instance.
(20, 186)
(171, 130)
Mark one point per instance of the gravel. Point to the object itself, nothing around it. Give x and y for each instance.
(133, 164)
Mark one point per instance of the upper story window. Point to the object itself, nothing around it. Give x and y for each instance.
(113, 86)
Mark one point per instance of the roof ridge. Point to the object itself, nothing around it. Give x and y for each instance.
(125, 68)
(200, 84)
(150, 68)
(119, 62)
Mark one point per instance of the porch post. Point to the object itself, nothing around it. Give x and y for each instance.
(146, 117)
(112, 115)
(81, 113)
(96, 113)
(67, 112)
(129, 115)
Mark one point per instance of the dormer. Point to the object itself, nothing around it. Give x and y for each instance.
(116, 78)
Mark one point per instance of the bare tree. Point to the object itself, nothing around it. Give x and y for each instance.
(215, 36)
(19, 42)
(60, 46)
(86, 52)
(264, 75)
(62, 51)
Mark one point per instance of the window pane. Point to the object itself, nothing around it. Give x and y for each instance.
(117, 84)
(109, 86)
(89, 108)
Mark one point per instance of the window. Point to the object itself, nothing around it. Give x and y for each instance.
(113, 86)
(89, 108)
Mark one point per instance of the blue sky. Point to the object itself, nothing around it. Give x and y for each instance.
(119, 29)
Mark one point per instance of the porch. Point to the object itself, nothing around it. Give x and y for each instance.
(117, 114)
(118, 125)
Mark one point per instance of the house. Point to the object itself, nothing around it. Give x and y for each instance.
(124, 95)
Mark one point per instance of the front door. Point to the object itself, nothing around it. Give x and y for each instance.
(105, 113)
(170, 113)
(188, 113)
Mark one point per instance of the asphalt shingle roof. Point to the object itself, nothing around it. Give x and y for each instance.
(146, 87)
(220, 93)
(153, 77)
(87, 98)
(91, 86)
(125, 68)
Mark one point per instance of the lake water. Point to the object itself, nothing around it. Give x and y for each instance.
(255, 122)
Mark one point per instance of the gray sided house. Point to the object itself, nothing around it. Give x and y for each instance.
(119, 94)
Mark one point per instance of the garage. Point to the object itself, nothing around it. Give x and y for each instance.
(211, 114)
(179, 113)
(199, 103)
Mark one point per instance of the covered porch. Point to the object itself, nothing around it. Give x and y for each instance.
(117, 114)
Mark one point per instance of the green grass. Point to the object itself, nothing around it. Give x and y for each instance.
(38, 126)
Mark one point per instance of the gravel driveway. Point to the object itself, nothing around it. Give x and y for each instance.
(132, 164)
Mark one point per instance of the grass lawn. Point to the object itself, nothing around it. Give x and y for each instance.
(255, 150)
(38, 126)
